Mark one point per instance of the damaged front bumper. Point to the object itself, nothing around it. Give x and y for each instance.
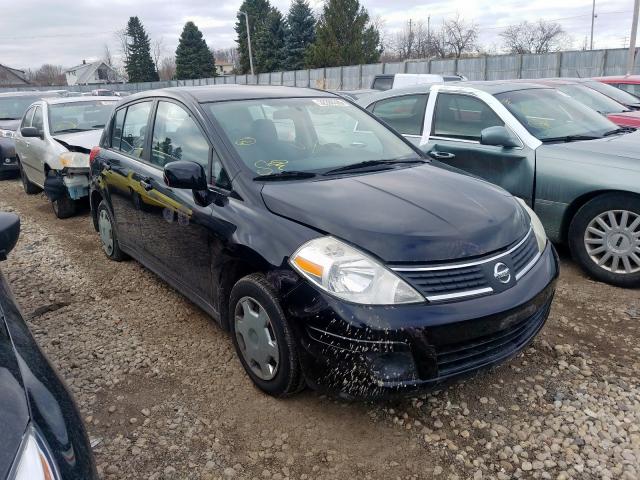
(70, 181)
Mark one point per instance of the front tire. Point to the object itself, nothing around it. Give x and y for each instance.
(64, 207)
(29, 188)
(108, 235)
(604, 237)
(263, 338)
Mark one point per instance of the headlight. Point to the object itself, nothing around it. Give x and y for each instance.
(7, 133)
(34, 461)
(347, 273)
(536, 225)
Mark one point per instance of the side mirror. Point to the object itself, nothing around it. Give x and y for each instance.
(30, 132)
(185, 175)
(9, 233)
(498, 136)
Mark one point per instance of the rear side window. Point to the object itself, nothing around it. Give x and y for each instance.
(37, 119)
(116, 132)
(405, 114)
(176, 136)
(632, 88)
(382, 83)
(462, 116)
(134, 130)
(26, 121)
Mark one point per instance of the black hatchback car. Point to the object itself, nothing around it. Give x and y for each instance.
(42, 436)
(333, 252)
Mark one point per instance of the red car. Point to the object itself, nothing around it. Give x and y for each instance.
(628, 83)
(582, 92)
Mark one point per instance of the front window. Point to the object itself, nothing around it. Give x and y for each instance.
(550, 115)
(13, 108)
(593, 99)
(305, 134)
(79, 116)
(462, 116)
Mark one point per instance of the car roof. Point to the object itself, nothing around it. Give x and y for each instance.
(220, 93)
(65, 100)
(493, 87)
(32, 93)
(620, 78)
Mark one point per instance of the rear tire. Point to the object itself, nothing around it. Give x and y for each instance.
(604, 237)
(29, 188)
(108, 235)
(258, 344)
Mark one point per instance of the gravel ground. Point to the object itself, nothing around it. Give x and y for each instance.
(164, 396)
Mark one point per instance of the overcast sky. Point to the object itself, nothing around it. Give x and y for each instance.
(61, 32)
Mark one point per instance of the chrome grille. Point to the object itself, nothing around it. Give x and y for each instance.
(461, 280)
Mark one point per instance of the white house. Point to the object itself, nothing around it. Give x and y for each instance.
(95, 73)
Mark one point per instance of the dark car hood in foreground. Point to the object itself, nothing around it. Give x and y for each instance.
(420, 214)
(84, 140)
(9, 124)
(14, 410)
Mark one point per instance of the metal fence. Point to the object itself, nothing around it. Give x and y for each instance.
(492, 67)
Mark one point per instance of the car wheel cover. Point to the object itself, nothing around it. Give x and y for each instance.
(256, 338)
(106, 233)
(612, 241)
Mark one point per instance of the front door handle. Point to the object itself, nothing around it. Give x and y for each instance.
(146, 184)
(441, 155)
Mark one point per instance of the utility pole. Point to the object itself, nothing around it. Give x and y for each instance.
(246, 17)
(593, 18)
(632, 41)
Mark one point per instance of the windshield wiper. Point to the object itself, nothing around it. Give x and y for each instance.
(570, 138)
(285, 175)
(71, 130)
(619, 130)
(98, 126)
(8, 118)
(371, 163)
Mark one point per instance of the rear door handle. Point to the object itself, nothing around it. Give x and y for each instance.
(441, 155)
(146, 184)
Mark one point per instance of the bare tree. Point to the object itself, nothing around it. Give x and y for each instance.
(459, 37)
(157, 49)
(167, 69)
(48, 75)
(226, 55)
(537, 37)
(106, 55)
(123, 44)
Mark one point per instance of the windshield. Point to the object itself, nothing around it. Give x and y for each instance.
(305, 134)
(592, 98)
(79, 116)
(552, 115)
(13, 108)
(613, 92)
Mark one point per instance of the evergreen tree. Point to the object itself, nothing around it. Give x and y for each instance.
(193, 57)
(344, 36)
(301, 33)
(270, 55)
(258, 11)
(139, 65)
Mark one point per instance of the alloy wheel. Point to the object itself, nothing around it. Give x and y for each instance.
(106, 233)
(256, 338)
(612, 241)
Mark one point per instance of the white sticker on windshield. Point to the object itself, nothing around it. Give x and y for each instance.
(329, 102)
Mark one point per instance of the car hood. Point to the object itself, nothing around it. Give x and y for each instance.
(419, 214)
(14, 409)
(617, 149)
(9, 124)
(80, 141)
